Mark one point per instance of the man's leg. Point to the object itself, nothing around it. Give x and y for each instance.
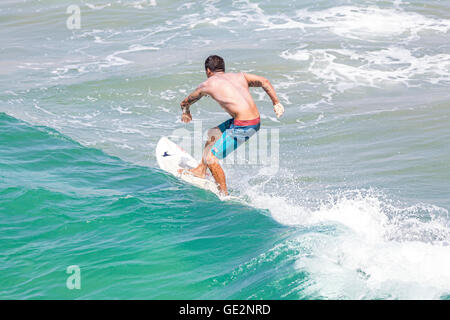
(211, 162)
(214, 134)
(217, 172)
(227, 143)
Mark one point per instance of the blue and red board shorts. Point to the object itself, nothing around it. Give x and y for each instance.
(234, 133)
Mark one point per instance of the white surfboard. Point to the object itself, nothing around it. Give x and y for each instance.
(172, 157)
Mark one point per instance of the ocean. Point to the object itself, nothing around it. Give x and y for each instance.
(357, 206)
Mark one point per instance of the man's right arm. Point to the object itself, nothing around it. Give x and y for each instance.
(258, 81)
(192, 98)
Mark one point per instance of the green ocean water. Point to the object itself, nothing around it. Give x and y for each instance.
(357, 207)
(122, 223)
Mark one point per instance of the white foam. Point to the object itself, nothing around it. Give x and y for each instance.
(141, 4)
(300, 55)
(97, 7)
(370, 253)
(372, 23)
(344, 69)
(76, 68)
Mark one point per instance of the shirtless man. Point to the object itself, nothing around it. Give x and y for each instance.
(231, 91)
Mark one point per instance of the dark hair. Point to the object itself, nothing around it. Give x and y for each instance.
(215, 63)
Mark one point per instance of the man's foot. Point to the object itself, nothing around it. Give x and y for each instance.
(223, 193)
(197, 172)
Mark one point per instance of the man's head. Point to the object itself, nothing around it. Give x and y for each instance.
(214, 64)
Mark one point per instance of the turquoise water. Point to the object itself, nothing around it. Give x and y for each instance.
(358, 208)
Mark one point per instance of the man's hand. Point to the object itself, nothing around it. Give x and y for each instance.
(279, 109)
(186, 117)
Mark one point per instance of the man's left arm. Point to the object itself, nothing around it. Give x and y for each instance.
(258, 81)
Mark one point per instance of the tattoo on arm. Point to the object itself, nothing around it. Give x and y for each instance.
(267, 88)
(255, 83)
(191, 99)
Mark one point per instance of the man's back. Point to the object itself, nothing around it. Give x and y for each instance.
(230, 90)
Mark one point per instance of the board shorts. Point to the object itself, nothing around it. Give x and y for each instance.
(234, 133)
